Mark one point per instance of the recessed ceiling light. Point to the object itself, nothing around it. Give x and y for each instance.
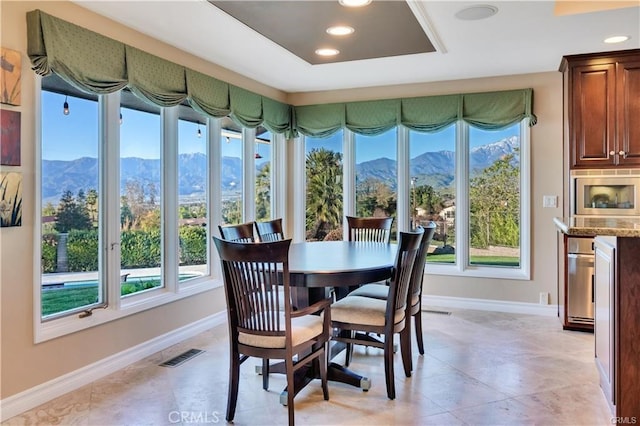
(327, 52)
(354, 3)
(616, 39)
(476, 12)
(340, 30)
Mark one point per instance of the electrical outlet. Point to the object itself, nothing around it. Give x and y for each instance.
(550, 201)
(544, 298)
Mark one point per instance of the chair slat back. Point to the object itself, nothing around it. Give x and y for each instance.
(408, 246)
(270, 230)
(417, 275)
(375, 229)
(252, 274)
(242, 233)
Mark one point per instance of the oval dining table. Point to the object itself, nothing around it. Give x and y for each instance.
(317, 267)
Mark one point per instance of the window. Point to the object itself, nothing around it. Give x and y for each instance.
(231, 177)
(263, 186)
(70, 223)
(324, 211)
(193, 196)
(432, 195)
(124, 202)
(140, 200)
(473, 183)
(494, 197)
(376, 175)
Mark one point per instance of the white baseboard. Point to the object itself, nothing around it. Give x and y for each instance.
(490, 305)
(30, 398)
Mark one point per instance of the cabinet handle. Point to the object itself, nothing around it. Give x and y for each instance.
(624, 154)
(612, 153)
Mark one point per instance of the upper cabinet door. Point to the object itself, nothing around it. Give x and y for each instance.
(628, 112)
(592, 116)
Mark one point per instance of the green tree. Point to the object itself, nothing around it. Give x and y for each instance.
(374, 197)
(232, 211)
(71, 214)
(126, 215)
(263, 193)
(495, 205)
(324, 192)
(92, 204)
(427, 198)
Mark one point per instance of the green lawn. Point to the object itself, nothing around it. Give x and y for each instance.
(64, 299)
(508, 261)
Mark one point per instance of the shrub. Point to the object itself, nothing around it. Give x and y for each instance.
(82, 250)
(49, 253)
(193, 245)
(140, 249)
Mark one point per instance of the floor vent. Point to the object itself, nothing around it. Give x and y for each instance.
(183, 357)
(432, 311)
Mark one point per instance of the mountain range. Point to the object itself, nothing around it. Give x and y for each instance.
(430, 168)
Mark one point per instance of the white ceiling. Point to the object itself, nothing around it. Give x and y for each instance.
(523, 37)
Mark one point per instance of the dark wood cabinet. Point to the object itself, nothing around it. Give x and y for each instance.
(628, 98)
(602, 99)
(617, 327)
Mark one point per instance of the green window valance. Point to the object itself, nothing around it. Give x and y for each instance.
(98, 64)
(488, 111)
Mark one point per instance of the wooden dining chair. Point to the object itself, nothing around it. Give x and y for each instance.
(270, 230)
(242, 232)
(414, 302)
(355, 317)
(258, 327)
(376, 229)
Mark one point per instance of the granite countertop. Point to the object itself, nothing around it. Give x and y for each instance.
(592, 226)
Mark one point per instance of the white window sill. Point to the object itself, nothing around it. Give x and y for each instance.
(521, 273)
(70, 324)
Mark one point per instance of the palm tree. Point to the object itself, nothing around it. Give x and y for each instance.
(324, 192)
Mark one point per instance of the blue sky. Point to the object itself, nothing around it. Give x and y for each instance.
(140, 135)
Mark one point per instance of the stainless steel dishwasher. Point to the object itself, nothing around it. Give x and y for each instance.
(580, 295)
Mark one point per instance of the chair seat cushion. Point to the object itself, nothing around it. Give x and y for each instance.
(377, 291)
(302, 329)
(361, 310)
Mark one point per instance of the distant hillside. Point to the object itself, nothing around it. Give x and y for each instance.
(432, 168)
(437, 168)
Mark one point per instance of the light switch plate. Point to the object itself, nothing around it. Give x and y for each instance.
(550, 201)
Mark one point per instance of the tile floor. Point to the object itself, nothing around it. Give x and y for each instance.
(480, 368)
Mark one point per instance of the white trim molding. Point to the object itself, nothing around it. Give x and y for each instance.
(489, 305)
(37, 395)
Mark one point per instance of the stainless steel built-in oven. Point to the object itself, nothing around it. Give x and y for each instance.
(605, 193)
(595, 194)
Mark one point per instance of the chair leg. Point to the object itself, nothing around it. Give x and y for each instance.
(418, 321)
(388, 367)
(405, 346)
(405, 349)
(349, 350)
(323, 360)
(291, 390)
(234, 379)
(265, 373)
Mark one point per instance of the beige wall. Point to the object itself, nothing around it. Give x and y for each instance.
(546, 175)
(25, 364)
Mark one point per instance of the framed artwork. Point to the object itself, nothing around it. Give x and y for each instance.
(10, 199)
(10, 76)
(10, 137)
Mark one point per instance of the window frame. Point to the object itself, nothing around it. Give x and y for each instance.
(461, 267)
(109, 146)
